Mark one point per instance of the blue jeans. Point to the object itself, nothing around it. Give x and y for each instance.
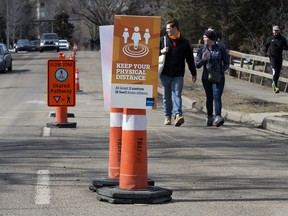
(172, 94)
(213, 93)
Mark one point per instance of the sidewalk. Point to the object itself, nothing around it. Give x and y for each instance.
(276, 121)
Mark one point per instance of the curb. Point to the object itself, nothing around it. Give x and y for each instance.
(277, 124)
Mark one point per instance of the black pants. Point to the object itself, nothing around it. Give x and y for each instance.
(276, 65)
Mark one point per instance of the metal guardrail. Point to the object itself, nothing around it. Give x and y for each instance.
(253, 65)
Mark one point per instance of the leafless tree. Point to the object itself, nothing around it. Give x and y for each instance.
(19, 19)
(101, 12)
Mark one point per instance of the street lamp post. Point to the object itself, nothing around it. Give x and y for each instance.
(7, 26)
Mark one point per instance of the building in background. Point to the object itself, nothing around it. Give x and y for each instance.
(46, 11)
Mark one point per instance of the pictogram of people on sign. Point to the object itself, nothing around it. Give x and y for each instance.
(125, 35)
(136, 36)
(136, 41)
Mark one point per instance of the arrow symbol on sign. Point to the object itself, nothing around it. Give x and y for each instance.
(57, 98)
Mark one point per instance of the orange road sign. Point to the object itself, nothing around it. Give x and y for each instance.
(61, 83)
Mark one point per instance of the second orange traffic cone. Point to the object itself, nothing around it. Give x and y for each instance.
(116, 116)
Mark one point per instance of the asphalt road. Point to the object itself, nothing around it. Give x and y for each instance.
(236, 169)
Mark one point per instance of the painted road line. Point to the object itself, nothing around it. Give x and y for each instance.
(46, 132)
(43, 193)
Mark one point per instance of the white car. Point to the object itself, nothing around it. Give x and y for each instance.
(64, 44)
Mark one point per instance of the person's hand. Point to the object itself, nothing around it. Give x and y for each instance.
(194, 78)
(164, 50)
(205, 56)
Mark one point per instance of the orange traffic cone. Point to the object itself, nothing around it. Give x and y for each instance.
(77, 84)
(133, 167)
(61, 114)
(72, 57)
(61, 55)
(116, 116)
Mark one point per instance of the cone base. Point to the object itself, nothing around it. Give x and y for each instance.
(105, 181)
(151, 195)
(61, 125)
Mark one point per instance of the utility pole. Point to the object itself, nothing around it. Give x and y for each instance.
(7, 26)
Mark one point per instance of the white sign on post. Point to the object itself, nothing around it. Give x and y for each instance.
(106, 44)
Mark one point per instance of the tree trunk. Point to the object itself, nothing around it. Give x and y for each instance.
(224, 24)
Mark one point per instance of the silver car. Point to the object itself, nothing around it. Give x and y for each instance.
(5, 59)
(49, 41)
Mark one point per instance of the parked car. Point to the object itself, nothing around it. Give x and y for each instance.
(49, 41)
(64, 44)
(35, 45)
(22, 45)
(5, 59)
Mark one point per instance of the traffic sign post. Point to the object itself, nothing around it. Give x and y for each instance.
(61, 89)
(134, 80)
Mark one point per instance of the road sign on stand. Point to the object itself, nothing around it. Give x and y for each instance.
(61, 83)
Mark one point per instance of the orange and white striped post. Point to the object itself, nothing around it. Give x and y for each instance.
(77, 77)
(75, 48)
(115, 142)
(72, 57)
(77, 80)
(116, 117)
(133, 167)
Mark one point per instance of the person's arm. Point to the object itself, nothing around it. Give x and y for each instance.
(285, 46)
(266, 46)
(225, 59)
(190, 60)
(199, 58)
(161, 45)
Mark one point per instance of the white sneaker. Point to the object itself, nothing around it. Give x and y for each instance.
(219, 121)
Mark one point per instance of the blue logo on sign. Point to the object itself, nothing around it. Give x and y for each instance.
(150, 101)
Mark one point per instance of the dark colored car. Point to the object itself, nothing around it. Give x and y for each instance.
(5, 59)
(23, 45)
(49, 41)
(35, 45)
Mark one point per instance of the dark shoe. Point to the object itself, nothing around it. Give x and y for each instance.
(219, 121)
(209, 121)
(179, 120)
